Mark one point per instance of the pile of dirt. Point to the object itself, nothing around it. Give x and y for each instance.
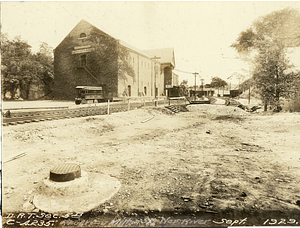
(218, 111)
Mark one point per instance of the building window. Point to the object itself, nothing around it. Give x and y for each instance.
(83, 60)
(82, 35)
(145, 91)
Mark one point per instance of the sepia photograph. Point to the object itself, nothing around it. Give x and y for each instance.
(150, 113)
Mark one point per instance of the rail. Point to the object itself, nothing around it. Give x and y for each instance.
(14, 117)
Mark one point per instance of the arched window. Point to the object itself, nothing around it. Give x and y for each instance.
(82, 35)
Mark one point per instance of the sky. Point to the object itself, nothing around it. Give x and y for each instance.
(200, 32)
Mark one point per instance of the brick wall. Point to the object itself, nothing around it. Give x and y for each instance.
(90, 57)
(100, 64)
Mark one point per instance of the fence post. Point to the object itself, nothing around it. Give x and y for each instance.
(108, 107)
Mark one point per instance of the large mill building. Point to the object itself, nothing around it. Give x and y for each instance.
(90, 57)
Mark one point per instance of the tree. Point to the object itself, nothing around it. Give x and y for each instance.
(20, 68)
(45, 58)
(184, 83)
(14, 56)
(184, 87)
(217, 82)
(264, 45)
(247, 84)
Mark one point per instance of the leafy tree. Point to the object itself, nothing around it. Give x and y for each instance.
(217, 82)
(45, 58)
(264, 45)
(247, 84)
(20, 68)
(184, 86)
(14, 56)
(184, 83)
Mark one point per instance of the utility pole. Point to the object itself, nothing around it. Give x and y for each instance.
(195, 83)
(202, 84)
(155, 69)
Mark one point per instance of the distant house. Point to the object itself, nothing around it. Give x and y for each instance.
(90, 57)
(167, 59)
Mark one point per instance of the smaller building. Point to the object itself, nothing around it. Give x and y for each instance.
(206, 92)
(167, 64)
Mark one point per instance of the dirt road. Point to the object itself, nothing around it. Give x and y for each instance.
(212, 159)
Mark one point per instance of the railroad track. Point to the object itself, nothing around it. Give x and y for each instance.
(37, 116)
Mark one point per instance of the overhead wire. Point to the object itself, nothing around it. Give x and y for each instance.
(184, 71)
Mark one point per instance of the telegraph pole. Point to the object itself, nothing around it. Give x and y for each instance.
(202, 84)
(195, 82)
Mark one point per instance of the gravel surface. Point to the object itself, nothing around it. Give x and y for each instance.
(214, 159)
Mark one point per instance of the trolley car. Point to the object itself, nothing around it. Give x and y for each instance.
(91, 94)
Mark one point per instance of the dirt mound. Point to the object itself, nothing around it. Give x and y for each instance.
(220, 112)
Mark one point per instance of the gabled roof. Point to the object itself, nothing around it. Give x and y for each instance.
(121, 42)
(166, 55)
(84, 25)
